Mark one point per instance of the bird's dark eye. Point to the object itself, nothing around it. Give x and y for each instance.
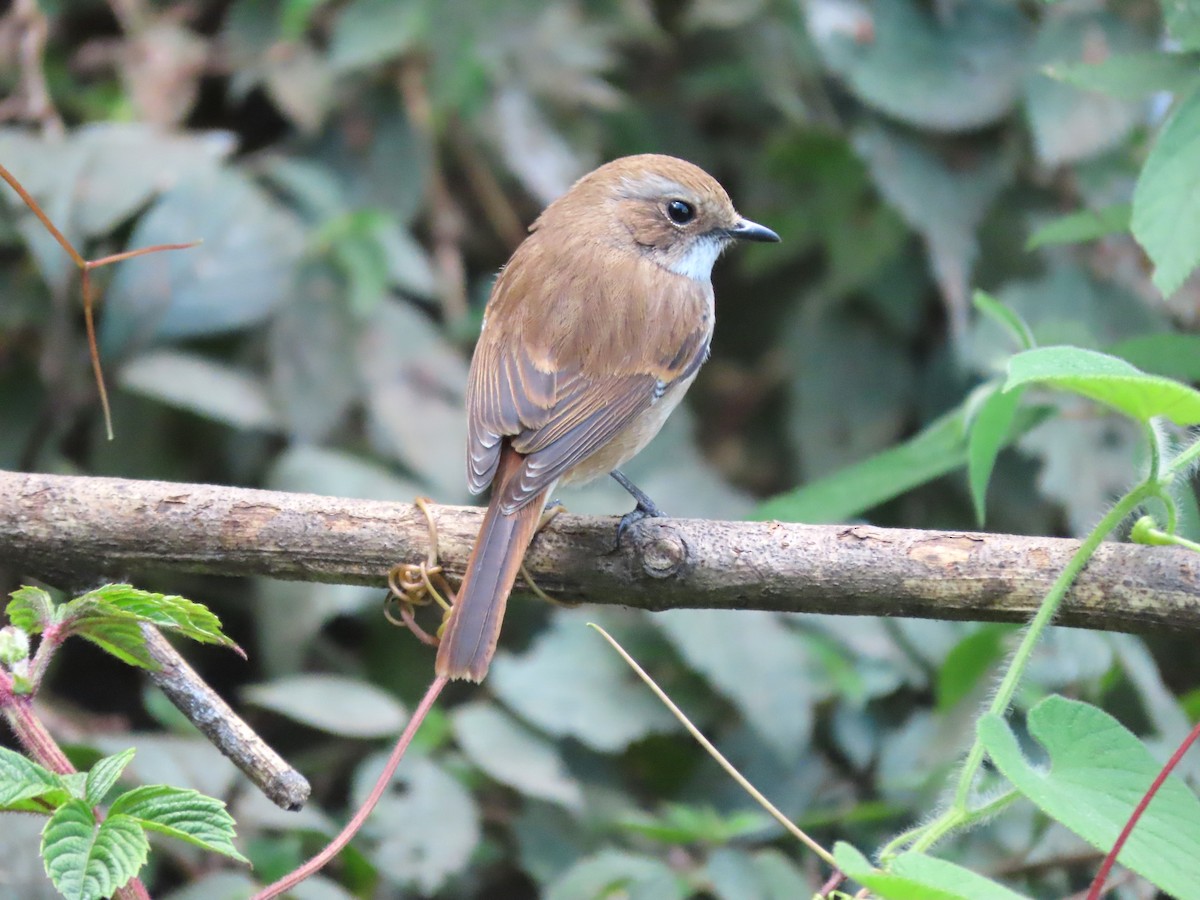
(680, 212)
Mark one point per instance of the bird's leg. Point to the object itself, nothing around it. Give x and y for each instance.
(645, 509)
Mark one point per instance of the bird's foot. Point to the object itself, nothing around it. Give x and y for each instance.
(645, 509)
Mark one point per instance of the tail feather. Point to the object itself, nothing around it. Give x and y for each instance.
(469, 640)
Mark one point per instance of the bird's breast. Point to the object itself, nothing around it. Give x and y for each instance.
(630, 441)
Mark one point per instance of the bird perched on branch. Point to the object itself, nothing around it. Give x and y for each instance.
(594, 330)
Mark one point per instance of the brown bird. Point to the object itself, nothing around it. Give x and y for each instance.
(593, 332)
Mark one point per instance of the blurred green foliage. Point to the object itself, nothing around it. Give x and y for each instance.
(359, 170)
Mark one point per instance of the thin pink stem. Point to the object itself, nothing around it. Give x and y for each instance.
(1097, 887)
(314, 865)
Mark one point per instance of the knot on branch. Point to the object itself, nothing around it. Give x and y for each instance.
(662, 550)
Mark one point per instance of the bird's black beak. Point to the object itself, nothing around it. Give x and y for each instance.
(745, 230)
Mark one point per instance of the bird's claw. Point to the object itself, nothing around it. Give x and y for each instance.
(647, 510)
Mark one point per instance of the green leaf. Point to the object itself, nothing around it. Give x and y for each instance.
(1068, 124)
(923, 67)
(202, 386)
(1006, 317)
(233, 280)
(14, 648)
(31, 609)
(1170, 354)
(1166, 215)
(914, 876)
(774, 876)
(945, 202)
(97, 614)
(616, 873)
(991, 429)
(180, 813)
(767, 673)
(940, 448)
(515, 755)
(845, 413)
(678, 823)
(1081, 226)
(120, 638)
(1098, 773)
(570, 684)
(75, 783)
(333, 703)
(369, 32)
(430, 376)
(295, 17)
(104, 774)
(1107, 380)
(970, 660)
(1131, 75)
(1183, 22)
(86, 861)
(22, 779)
(424, 792)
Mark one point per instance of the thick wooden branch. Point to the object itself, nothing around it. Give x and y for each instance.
(74, 529)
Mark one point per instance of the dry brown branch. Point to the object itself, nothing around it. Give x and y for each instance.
(68, 528)
(229, 733)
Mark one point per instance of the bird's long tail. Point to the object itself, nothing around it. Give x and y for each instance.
(469, 640)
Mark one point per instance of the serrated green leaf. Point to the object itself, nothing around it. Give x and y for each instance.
(121, 638)
(75, 784)
(1006, 317)
(1166, 216)
(86, 861)
(991, 429)
(1098, 773)
(31, 609)
(21, 779)
(914, 876)
(1108, 380)
(1131, 75)
(1085, 225)
(104, 774)
(181, 813)
(14, 649)
(125, 603)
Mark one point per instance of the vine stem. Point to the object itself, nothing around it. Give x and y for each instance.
(959, 812)
(289, 881)
(716, 754)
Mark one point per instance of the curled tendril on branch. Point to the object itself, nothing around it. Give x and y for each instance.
(418, 584)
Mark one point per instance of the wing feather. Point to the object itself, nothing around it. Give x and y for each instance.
(558, 391)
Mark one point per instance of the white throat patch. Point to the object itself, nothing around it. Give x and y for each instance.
(697, 263)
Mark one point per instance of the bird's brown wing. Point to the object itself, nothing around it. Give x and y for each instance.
(553, 416)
